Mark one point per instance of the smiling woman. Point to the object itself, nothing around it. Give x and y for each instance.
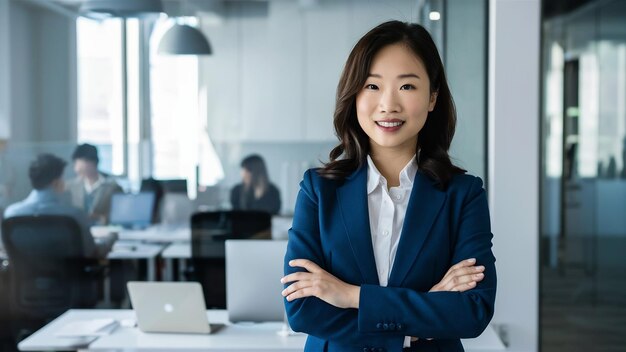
(390, 245)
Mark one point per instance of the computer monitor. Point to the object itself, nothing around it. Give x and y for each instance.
(253, 272)
(132, 210)
(174, 186)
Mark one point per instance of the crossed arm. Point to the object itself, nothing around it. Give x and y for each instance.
(326, 307)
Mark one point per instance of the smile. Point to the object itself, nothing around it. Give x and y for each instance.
(389, 123)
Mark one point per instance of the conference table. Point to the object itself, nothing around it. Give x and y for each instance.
(240, 337)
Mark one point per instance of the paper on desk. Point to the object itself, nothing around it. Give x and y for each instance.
(92, 327)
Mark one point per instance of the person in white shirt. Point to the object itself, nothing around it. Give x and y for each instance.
(92, 189)
(390, 245)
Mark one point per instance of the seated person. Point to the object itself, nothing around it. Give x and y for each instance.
(91, 190)
(255, 192)
(45, 176)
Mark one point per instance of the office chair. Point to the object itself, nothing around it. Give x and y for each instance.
(49, 272)
(209, 231)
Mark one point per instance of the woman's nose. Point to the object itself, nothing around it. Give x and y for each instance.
(389, 102)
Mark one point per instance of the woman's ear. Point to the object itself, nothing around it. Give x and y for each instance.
(433, 101)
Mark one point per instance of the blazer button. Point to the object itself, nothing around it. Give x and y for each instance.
(379, 326)
(392, 326)
(385, 326)
(365, 349)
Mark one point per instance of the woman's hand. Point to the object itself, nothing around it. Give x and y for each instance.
(461, 277)
(319, 283)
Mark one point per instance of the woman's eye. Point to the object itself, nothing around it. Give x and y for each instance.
(407, 87)
(371, 86)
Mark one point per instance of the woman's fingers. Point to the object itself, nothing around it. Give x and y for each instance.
(297, 276)
(295, 287)
(467, 282)
(461, 277)
(321, 284)
(305, 263)
(463, 263)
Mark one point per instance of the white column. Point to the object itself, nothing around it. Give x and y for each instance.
(514, 42)
(5, 54)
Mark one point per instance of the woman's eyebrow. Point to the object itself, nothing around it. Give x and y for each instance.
(404, 75)
(409, 75)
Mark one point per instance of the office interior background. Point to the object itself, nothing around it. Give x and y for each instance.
(540, 88)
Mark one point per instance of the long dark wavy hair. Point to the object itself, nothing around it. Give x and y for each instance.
(433, 141)
(256, 167)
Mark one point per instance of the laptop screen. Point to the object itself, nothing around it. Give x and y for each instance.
(132, 210)
(254, 264)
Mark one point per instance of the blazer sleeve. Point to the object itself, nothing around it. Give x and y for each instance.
(442, 314)
(311, 315)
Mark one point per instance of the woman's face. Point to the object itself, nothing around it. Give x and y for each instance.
(246, 177)
(394, 102)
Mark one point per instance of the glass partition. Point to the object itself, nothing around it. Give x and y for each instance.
(583, 231)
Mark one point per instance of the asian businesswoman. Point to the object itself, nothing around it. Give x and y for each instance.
(390, 246)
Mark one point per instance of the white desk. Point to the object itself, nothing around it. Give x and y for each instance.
(232, 338)
(158, 233)
(134, 250)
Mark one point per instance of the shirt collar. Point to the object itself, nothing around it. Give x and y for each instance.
(46, 194)
(374, 178)
(90, 188)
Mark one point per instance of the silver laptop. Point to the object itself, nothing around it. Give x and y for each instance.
(253, 272)
(170, 307)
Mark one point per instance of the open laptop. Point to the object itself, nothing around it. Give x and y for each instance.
(132, 210)
(253, 272)
(170, 307)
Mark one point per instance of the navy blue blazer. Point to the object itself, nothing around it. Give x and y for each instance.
(441, 228)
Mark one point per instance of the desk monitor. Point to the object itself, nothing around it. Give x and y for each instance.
(253, 272)
(174, 186)
(132, 210)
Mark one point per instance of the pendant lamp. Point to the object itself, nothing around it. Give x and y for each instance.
(183, 39)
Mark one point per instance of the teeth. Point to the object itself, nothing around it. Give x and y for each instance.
(388, 124)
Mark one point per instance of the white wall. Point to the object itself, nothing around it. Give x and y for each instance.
(466, 57)
(43, 74)
(514, 41)
(276, 65)
(5, 127)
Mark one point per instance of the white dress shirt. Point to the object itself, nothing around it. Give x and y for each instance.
(387, 208)
(89, 188)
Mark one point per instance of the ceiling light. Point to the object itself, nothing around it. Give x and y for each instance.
(434, 16)
(182, 39)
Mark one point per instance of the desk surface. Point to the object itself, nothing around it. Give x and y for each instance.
(232, 338)
(179, 250)
(157, 233)
(134, 250)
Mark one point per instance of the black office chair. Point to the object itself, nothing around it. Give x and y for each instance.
(49, 272)
(209, 230)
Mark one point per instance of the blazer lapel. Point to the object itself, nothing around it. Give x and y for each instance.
(424, 206)
(352, 197)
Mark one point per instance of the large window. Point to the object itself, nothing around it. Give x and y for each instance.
(100, 89)
(180, 143)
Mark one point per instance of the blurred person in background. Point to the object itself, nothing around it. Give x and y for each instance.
(92, 189)
(255, 192)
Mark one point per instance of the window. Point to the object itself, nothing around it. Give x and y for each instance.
(100, 93)
(180, 143)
